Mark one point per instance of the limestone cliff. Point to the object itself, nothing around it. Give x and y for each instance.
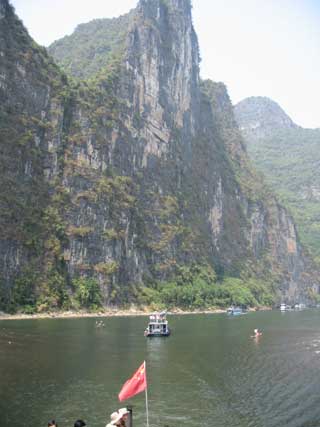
(130, 173)
(288, 155)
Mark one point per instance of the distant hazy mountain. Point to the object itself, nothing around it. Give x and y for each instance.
(289, 156)
(259, 116)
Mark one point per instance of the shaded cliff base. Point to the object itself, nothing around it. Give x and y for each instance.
(114, 312)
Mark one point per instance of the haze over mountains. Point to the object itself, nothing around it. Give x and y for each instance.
(126, 179)
(289, 157)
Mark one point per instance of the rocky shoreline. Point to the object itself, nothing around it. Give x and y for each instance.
(105, 313)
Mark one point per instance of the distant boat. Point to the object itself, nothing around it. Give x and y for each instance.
(283, 307)
(235, 311)
(300, 306)
(157, 326)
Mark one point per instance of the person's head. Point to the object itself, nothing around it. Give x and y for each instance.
(52, 423)
(124, 412)
(79, 423)
(117, 418)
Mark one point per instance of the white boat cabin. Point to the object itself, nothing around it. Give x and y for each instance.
(158, 325)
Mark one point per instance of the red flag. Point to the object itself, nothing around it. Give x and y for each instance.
(134, 385)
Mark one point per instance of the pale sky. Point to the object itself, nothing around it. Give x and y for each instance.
(256, 47)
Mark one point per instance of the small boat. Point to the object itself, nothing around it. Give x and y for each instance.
(283, 307)
(235, 311)
(300, 306)
(157, 326)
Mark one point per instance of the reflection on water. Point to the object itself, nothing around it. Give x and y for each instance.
(209, 370)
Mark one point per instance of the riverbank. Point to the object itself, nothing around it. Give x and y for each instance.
(105, 313)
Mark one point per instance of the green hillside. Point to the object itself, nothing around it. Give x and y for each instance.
(91, 47)
(289, 157)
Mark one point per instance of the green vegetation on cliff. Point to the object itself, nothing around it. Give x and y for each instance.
(197, 287)
(31, 226)
(289, 157)
(91, 47)
(125, 182)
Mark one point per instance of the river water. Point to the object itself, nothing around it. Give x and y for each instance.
(208, 371)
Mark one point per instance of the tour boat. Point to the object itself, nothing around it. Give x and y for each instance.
(157, 326)
(235, 311)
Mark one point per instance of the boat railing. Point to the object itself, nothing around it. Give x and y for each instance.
(158, 318)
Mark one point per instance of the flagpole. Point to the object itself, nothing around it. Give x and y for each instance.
(146, 391)
(147, 410)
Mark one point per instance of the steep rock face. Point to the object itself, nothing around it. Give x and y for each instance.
(289, 157)
(162, 67)
(185, 192)
(32, 115)
(270, 230)
(139, 169)
(150, 146)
